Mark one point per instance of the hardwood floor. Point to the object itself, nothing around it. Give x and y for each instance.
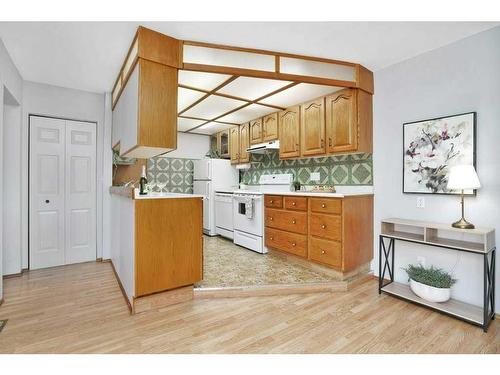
(80, 309)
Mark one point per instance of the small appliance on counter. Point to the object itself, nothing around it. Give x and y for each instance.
(211, 175)
(248, 210)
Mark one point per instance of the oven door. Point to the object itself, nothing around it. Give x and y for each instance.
(242, 222)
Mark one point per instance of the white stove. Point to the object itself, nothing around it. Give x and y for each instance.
(248, 210)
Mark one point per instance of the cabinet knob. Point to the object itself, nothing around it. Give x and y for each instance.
(294, 203)
(271, 238)
(323, 226)
(271, 218)
(294, 244)
(323, 252)
(293, 221)
(323, 205)
(271, 201)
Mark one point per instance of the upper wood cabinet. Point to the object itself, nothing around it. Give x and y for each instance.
(223, 143)
(234, 144)
(270, 127)
(145, 97)
(289, 132)
(312, 125)
(349, 121)
(244, 143)
(256, 131)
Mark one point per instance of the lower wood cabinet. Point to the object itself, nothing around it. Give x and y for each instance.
(336, 232)
(292, 243)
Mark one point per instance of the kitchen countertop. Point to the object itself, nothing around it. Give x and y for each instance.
(132, 193)
(319, 194)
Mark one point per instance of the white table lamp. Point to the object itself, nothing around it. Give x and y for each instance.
(463, 177)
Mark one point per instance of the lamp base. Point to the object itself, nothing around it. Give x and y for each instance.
(462, 224)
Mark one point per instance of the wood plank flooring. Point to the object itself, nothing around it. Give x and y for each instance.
(80, 309)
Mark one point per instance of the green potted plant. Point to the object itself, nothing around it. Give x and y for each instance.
(431, 284)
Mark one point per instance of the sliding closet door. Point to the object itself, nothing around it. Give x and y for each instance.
(80, 192)
(46, 224)
(62, 192)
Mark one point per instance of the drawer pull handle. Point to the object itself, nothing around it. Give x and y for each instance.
(271, 238)
(294, 221)
(271, 201)
(271, 218)
(294, 204)
(323, 226)
(294, 244)
(323, 252)
(323, 205)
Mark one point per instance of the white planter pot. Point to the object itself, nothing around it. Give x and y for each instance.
(430, 293)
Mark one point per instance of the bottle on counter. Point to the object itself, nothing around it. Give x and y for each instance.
(143, 181)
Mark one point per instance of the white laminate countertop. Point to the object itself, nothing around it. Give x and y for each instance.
(156, 195)
(319, 194)
(134, 194)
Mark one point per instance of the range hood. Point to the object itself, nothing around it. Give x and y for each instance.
(262, 148)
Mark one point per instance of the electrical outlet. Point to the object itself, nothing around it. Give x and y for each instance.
(315, 176)
(421, 261)
(420, 202)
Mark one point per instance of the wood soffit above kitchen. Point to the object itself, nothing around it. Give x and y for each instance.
(222, 86)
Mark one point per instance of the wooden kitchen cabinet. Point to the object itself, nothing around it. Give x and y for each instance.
(338, 231)
(234, 144)
(223, 143)
(244, 156)
(270, 128)
(144, 97)
(256, 131)
(349, 120)
(289, 132)
(312, 127)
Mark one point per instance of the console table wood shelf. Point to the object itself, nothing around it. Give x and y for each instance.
(440, 235)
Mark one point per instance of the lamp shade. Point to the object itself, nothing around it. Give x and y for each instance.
(463, 177)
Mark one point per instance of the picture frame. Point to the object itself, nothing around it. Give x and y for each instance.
(431, 147)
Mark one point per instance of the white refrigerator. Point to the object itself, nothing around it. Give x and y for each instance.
(211, 175)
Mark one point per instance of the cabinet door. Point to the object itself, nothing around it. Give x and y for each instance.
(214, 142)
(270, 127)
(223, 144)
(341, 121)
(234, 144)
(312, 125)
(289, 132)
(244, 142)
(256, 131)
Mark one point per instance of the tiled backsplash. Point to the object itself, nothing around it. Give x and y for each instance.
(354, 169)
(176, 173)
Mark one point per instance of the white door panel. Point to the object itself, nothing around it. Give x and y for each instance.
(80, 191)
(62, 192)
(47, 146)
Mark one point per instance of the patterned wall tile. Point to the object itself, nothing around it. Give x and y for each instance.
(353, 169)
(177, 174)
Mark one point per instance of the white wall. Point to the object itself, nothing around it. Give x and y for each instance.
(190, 146)
(461, 77)
(42, 99)
(11, 93)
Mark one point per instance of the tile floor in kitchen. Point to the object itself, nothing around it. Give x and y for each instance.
(230, 265)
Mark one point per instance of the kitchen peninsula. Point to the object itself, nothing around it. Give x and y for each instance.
(157, 246)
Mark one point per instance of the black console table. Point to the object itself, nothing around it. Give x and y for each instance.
(434, 234)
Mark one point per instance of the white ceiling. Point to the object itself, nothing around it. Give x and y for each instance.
(88, 55)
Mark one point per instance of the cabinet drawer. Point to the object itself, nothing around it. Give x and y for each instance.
(324, 251)
(290, 242)
(326, 205)
(295, 222)
(273, 201)
(296, 203)
(326, 226)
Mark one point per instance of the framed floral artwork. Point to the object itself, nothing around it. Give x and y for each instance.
(432, 146)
